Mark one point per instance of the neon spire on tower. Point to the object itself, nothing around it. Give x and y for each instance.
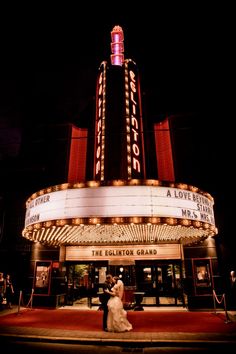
(117, 46)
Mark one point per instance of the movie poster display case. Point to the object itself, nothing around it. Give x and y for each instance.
(202, 272)
(42, 277)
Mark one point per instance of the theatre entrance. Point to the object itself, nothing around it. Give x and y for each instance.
(159, 281)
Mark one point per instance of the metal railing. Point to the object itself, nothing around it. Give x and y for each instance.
(21, 301)
(220, 299)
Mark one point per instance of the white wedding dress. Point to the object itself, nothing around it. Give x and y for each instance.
(117, 317)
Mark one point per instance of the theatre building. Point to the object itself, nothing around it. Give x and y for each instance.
(109, 216)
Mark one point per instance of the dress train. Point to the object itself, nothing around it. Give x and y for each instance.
(117, 317)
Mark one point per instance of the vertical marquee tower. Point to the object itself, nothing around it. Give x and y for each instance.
(119, 147)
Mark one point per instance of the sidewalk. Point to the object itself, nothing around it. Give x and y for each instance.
(98, 337)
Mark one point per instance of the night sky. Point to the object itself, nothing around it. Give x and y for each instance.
(185, 55)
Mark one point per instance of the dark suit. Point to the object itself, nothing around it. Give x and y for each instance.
(105, 299)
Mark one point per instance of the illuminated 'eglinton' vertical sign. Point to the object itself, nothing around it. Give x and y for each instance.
(100, 124)
(134, 128)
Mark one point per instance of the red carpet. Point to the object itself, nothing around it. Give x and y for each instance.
(89, 320)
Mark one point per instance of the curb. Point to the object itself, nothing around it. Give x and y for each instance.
(121, 342)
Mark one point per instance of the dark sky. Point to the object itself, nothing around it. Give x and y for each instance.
(49, 60)
(185, 54)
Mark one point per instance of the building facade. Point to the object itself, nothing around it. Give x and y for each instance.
(157, 234)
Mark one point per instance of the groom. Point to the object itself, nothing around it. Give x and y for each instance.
(108, 284)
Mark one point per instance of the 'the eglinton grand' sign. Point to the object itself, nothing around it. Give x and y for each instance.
(120, 201)
(134, 252)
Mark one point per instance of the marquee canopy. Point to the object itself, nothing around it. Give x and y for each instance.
(119, 212)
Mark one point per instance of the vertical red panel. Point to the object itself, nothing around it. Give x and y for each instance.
(164, 151)
(78, 155)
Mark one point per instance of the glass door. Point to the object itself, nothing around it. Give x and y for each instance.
(78, 282)
(161, 281)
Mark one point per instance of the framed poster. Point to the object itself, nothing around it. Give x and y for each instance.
(42, 277)
(202, 276)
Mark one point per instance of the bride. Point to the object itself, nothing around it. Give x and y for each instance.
(117, 317)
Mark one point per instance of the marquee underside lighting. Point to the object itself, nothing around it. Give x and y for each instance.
(114, 234)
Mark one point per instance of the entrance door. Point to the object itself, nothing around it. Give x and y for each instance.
(78, 282)
(84, 280)
(161, 282)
